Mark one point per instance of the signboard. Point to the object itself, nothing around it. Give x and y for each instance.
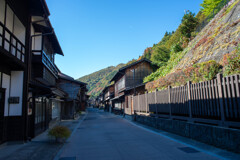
(13, 100)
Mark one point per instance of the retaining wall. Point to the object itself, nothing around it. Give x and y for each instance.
(225, 138)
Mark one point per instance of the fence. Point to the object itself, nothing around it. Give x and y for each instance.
(213, 102)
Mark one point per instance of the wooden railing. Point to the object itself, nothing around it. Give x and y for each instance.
(11, 43)
(40, 54)
(212, 102)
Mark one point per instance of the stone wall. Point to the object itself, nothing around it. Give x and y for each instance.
(224, 138)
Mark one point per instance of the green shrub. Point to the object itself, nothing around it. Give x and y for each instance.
(199, 72)
(160, 55)
(59, 132)
(205, 71)
(232, 64)
(166, 69)
(176, 48)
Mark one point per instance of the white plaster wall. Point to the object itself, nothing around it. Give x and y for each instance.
(9, 18)
(16, 90)
(37, 40)
(6, 85)
(56, 109)
(2, 10)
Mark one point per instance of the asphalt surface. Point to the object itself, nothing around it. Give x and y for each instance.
(103, 136)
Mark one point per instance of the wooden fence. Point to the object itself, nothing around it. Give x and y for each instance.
(212, 102)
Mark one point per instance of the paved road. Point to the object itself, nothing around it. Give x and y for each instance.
(102, 136)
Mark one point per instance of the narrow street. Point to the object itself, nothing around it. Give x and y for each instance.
(105, 136)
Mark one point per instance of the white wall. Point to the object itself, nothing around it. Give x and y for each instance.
(56, 109)
(9, 18)
(118, 105)
(2, 10)
(6, 85)
(16, 90)
(37, 42)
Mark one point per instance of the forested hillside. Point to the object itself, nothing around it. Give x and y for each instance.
(97, 81)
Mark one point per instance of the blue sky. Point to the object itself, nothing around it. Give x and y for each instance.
(95, 34)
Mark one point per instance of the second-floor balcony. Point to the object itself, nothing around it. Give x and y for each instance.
(120, 85)
(12, 46)
(39, 56)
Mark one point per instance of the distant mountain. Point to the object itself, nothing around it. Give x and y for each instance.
(97, 81)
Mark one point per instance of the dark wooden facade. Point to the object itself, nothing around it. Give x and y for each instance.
(44, 96)
(14, 55)
(129, 81)
(107, 94)
(76, 100)
(28, 74)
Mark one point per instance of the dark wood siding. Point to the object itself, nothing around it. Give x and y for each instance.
(141, 71)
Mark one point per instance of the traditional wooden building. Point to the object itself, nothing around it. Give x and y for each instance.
(108, 93)
(129, 81)
(76, 100)
(44, 98)
(97, 101)
(14, 55)
(29, 95)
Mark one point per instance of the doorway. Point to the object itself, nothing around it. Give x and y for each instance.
(2, 119)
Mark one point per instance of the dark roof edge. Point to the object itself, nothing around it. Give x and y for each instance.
(132, 64)
(55, 36)
(68, 78)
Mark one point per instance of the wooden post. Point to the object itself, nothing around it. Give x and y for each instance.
(169, 101)
(220, 93)
(156, 102)
(189, 99)
(138, 103)
(132, 105)
(146, 98)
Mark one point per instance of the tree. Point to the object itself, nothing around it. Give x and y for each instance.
(189, 23)
(160, 55)
(209, 6)
(147, 53)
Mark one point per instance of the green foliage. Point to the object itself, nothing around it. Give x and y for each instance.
(176, 48)
(147, 53)
(204, 71)
(97, 81)
(160, 55)
(165, 38)
(164, 70)
(189, 23)
(231, 7)
(59, 132)
(196, 73)
(232, 65)
(211, 7)
(132, 61)
(174, 39)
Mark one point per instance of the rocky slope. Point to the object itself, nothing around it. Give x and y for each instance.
(219, 37)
